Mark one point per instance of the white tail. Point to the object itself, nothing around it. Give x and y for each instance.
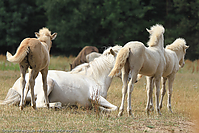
(13, 97)
(120, 61)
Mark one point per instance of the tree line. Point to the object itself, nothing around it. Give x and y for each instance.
(99, 23)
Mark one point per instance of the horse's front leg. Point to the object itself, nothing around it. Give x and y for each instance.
(44, 73)
(149, 88)
(170, 84)
(163, 90)
(124, 90)
(104, 105)
(157, 83)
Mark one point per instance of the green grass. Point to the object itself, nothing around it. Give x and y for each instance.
(185, 101)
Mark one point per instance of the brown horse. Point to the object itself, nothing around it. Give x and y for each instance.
(34, 54)
(81, 57)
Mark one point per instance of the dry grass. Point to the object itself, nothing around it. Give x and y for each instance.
(185, 101)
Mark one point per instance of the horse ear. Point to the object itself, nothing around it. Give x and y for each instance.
(112, 52)
(37, 34)
(148, 30)
(53, 36)
(186, 47)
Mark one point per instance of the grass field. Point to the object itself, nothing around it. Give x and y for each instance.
(185, 105)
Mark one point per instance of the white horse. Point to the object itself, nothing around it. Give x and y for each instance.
(174, 55)
(137, 58)
(90, 57)
(84, 84)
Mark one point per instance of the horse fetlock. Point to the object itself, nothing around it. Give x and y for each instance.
(158, 111)
(21, 108)
(151, 108)
(34, 106)
(120, 113)
(169, 108)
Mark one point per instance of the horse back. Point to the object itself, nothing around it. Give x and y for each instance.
(38, 56)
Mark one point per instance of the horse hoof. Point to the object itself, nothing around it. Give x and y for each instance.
(47, 106)
(130, 114)
(21, 107)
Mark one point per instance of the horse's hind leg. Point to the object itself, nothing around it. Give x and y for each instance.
(31, 83)
(124, 90)
(129, 91)
(44, 73)
(163, 90)
(149, 88)
(23, 68)
(157, 84)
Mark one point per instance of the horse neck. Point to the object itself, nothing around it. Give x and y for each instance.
(160, 44)
(102, 78)
(179, 54)
(46, 44)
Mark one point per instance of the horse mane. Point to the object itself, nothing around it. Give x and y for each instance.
(155, 33)
(99, 65)
(177, 44)
(45, 31)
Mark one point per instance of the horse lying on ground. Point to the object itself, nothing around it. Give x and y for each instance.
(34, 54)
(90, 57)
(174, 55)
(81, 57)
(83, 85)
(137, 58)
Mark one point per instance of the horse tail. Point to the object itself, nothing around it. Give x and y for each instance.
(21, 53)
(13, 97)
(120, 61)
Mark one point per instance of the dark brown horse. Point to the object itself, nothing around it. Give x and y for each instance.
(81, 57)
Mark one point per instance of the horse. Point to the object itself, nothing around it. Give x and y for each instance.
(90, 57)
(81, 57)
(137, 58)
(87, 83)
(33, 53)
(174, 55)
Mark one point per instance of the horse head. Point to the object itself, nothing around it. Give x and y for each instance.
(179, 47)
(45, 36)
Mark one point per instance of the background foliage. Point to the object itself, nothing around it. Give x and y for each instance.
(100, 23)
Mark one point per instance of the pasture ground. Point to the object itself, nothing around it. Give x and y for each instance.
(185, 105)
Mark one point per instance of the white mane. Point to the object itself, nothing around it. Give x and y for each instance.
(99, 65)
(155, 32)
(177, 44)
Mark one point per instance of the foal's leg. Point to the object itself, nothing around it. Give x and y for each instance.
(151, 99)
(44, 73)
(23, 69)
(30, 85)
(163, 90)
(170, 84)
(124, 90)
(149, 88)
(129, 91)
(157, 83)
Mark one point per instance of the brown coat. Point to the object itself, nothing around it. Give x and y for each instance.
(81, 57)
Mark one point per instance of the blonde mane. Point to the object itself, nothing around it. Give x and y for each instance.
(45, 31)
(99, 65)
(155, 32)
(177, 44)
